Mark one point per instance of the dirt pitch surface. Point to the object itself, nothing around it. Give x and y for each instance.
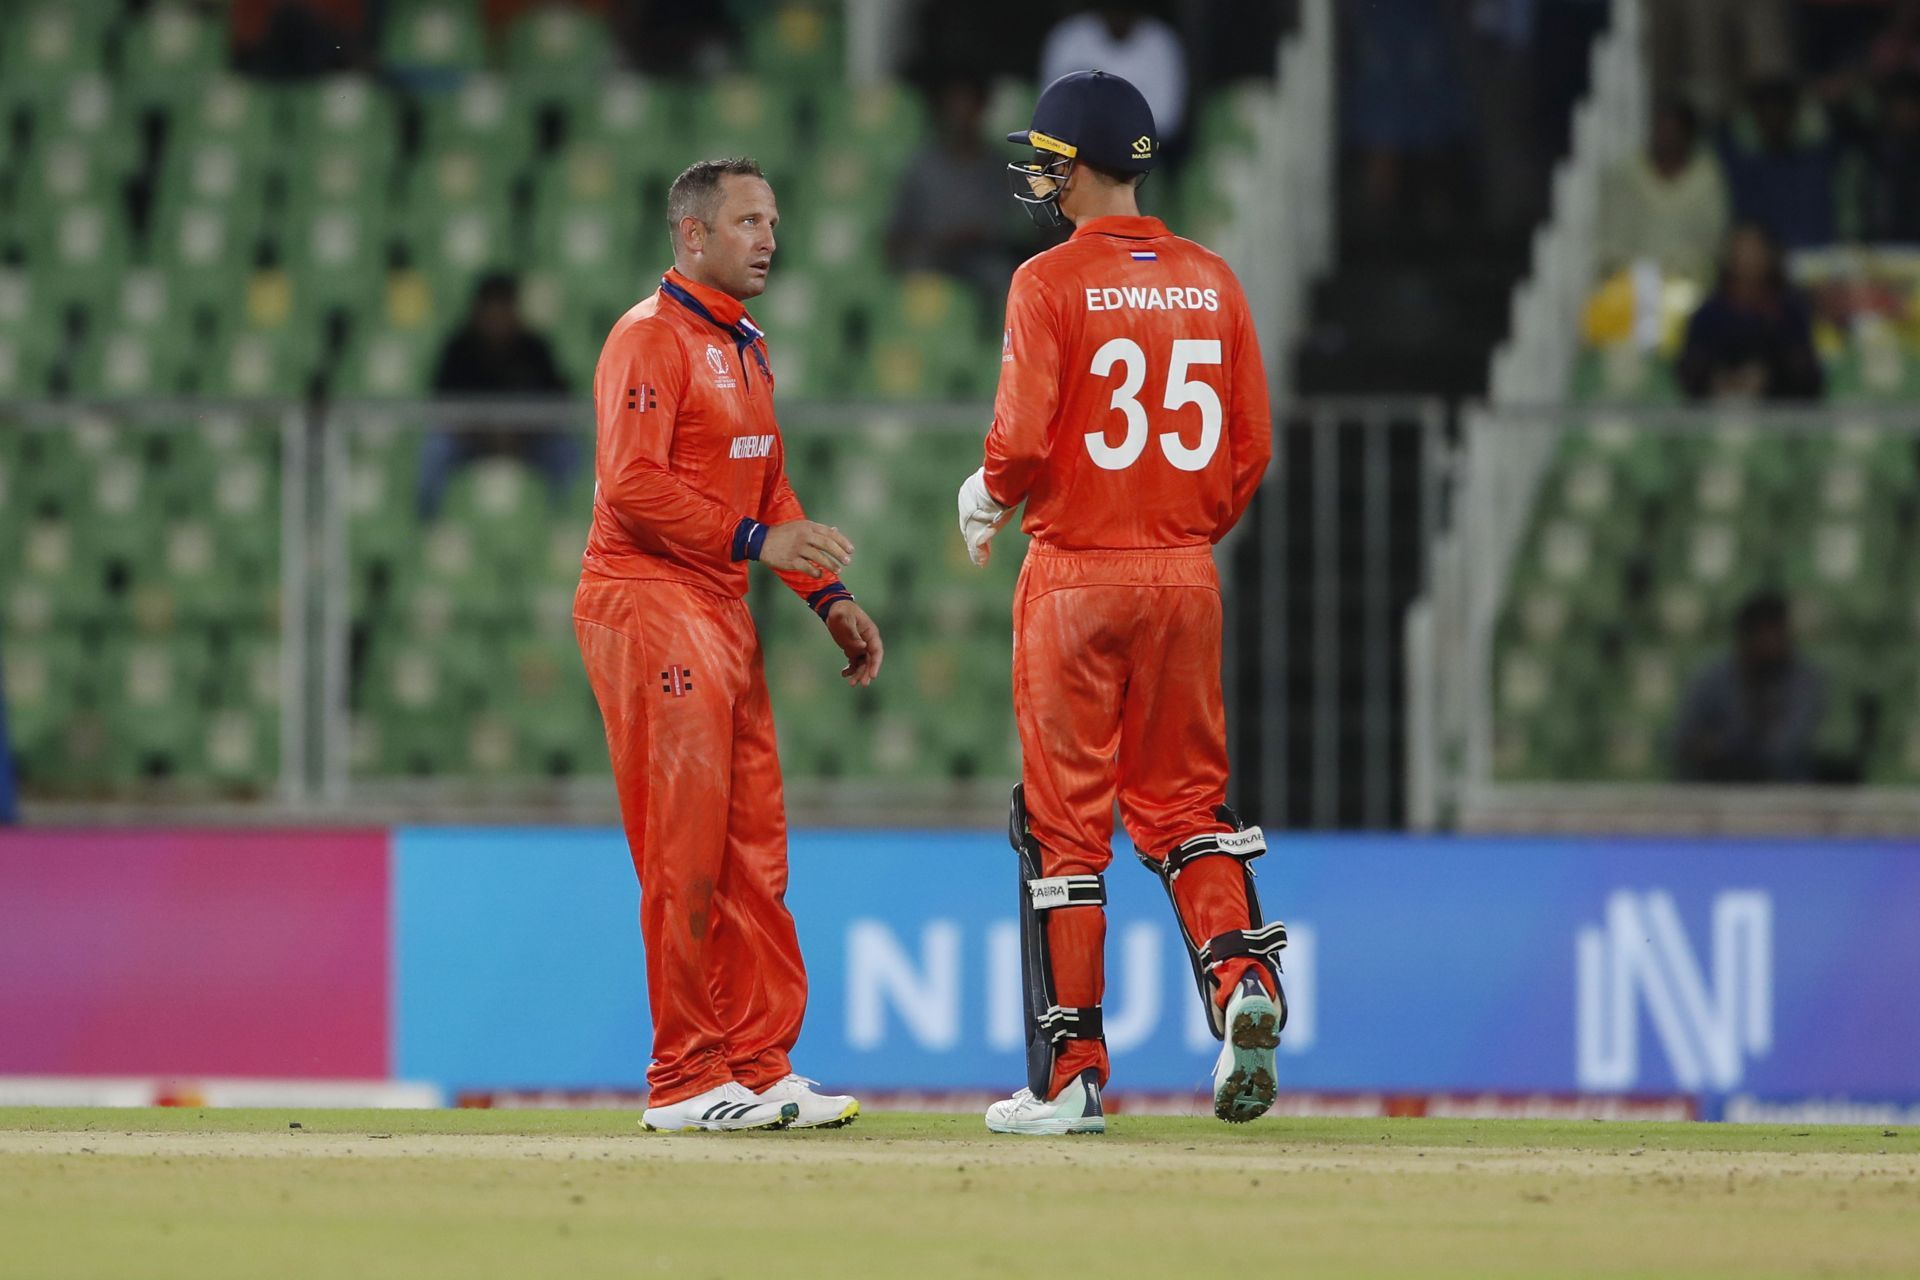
(209, 1195)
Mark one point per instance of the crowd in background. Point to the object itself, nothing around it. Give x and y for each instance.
(1779, 128)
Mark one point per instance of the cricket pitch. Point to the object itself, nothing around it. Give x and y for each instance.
(366, 1195)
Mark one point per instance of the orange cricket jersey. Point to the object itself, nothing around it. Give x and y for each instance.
(1132, 411)
(689, 467)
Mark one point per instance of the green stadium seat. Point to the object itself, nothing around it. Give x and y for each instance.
(337, 255)
(631, 112)
(435, 35)
(229, 109)
(502, 503)
(487, 114)
(882, 124)
(241, 750)
(207, 249)
(558, 45)
(53, 41)
(80, 252)
(26, 363)
(43, 684)
(389, 364)
(798, 41)
(344, 111)
(133, 363)
(154, 698)
(171, 49)
(925, 335)
(257, 363)
(746, 116)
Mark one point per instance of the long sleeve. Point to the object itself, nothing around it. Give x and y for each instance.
(781, 505)
(1249, 416)
(637, 391)
(1029, 392)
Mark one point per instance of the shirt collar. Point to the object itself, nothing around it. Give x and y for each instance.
(724, 307)
(1127, 227)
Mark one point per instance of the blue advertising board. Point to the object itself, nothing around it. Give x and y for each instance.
(1753, 968)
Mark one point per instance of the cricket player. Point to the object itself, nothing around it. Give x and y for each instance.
(1132, 421)
(691, 487)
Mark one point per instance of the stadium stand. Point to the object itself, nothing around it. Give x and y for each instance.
(171, 229)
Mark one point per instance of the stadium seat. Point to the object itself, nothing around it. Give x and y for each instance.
(554, 45)
(432, 35)
(53, 41)
(170, 50)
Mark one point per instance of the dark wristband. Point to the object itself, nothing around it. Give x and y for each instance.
(748, 537)
(828, 596)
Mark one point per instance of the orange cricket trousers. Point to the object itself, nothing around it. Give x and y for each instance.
(1116, 689)
(677, 672)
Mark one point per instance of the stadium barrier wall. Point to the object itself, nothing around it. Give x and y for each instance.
(1756, 977)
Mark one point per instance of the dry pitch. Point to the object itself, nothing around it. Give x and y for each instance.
(207, 1195)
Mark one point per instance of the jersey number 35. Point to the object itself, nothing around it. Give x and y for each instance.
(1181, 392)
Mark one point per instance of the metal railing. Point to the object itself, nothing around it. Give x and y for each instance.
(1318, 578)
(1323, 570)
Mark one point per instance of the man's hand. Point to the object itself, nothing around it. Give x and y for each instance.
(980, 516)
(801, 546)
(858, 638)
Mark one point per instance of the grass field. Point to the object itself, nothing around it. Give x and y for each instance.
(213, 1195)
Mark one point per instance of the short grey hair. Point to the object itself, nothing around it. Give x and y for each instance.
(696, 192)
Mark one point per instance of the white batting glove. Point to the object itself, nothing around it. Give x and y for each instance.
(980, 516)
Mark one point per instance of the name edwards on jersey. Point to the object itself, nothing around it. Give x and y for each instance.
(1138, 298)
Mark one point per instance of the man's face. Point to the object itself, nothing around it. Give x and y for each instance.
(736, 249)
(1903, 115)
(498, 320)
(1765, 647)
(1672, 138)
(1775, 112)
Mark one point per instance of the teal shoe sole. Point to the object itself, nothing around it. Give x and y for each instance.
(1250, 1086)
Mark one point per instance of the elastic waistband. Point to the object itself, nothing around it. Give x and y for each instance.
(1200, 550)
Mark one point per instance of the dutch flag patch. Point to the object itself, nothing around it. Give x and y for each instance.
(1144, 255)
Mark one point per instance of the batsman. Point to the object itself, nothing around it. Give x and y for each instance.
(1132, 420)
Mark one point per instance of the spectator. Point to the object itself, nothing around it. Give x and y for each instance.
(1890, 185)
(1898, 48)
(1751, 716)
(1752, 338)
(292, 38)
(1783, 167)
(1668, 206)
(495, 354)
(1122, 37)
(1702, 51)
(951, 213)
(1835, 39)
(1405, 110)
(669, 38)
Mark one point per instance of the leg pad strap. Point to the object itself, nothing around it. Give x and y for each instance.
(1058, 1024)
(1262, 943)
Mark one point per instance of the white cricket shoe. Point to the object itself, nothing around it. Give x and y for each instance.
(1076, 1110)
(817, 1110)
(1243, 1079)
(732, 1106)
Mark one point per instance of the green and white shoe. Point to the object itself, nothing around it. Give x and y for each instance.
(1075, 1110)
(1244, 1080)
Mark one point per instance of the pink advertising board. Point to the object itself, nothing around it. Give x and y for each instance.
(244, 953)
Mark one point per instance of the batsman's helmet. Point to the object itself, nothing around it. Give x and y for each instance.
(1090, 116)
